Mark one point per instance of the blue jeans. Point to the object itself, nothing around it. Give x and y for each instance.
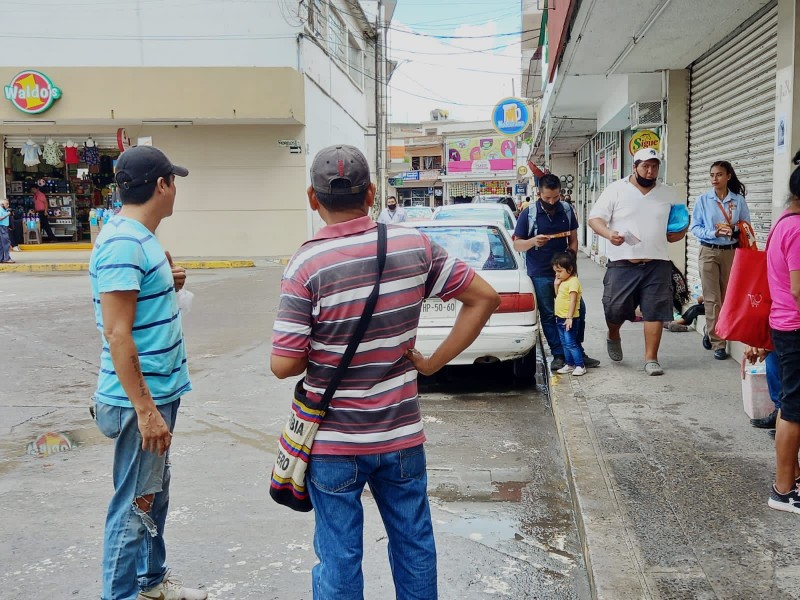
(134, 554)
(573, 355)
(545, 302)
(774, 378)
(398, 482)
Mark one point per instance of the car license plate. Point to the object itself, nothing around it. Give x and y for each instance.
(436, 308)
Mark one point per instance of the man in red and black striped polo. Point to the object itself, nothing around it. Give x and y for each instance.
(372, 432)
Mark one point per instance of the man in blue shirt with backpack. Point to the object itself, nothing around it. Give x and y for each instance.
(545, 228)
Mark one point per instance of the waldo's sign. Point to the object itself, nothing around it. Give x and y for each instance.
(644, 139)
(32, 92)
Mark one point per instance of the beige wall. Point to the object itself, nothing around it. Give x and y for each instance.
(131, 95)
(675, 147)
(244, 196)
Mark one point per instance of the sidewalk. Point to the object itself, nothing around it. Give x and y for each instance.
(670, 480)
(78, 260)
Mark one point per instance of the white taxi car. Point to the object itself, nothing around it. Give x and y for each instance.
(483, 213)
(512, 331)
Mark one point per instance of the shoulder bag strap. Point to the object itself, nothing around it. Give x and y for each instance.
(363, 323)
(725, 214)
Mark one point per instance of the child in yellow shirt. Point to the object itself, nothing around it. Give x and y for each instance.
(568, 298)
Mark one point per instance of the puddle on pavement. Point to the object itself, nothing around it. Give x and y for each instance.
(503, 532)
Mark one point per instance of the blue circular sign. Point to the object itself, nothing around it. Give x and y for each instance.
(511, 116)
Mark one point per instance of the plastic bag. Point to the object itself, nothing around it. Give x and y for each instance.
(678, 218)
(185, 298)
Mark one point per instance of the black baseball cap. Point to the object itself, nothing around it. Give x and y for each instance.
(142, 164)
(340, 162)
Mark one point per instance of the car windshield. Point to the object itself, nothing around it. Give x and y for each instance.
(476, 213)
(482, 248)
(418, 212)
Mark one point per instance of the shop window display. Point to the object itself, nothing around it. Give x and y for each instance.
(75, 176)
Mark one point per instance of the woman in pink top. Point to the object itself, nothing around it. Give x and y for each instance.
(783, 272)
(40, 206)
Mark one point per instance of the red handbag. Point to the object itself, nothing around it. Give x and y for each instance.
(744, 316)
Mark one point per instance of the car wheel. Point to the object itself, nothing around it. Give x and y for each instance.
(524, 368)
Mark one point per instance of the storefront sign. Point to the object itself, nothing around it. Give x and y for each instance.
(522, 171)
(396, 181)
(32, 92)
(520, 189)
(123, 140)
(500, 154)
(511, 117)
(645, 138)
(410, 175)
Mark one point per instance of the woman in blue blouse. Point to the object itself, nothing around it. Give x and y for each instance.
(714, 224)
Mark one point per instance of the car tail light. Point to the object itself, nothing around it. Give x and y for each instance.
(511, 303)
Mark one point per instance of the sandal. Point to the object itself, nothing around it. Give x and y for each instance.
(614, 348)
(652, 368)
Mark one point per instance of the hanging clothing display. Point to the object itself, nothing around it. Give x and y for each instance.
(91, 155)
(52, 154)
(71, 154)
(31, 152)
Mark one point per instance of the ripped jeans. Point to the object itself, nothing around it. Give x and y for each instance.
(134, 554)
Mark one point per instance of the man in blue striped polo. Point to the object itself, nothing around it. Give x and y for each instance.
(143, 374)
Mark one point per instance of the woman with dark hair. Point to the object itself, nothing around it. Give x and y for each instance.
(714, 224)
(783, 274)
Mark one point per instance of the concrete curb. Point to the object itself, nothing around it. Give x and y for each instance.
(84, 266)
(613, 567)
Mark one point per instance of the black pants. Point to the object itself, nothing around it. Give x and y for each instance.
(44, 222)
(691, 313)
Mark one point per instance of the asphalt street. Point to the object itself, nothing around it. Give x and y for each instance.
(501, 505)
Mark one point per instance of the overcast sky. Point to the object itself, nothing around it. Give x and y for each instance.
(465, 76)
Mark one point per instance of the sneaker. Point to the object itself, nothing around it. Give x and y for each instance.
(677, 327)
(578, 371)
(172, 589)
(565, 370)
(557, 363)
(786, 502)
(590, 362)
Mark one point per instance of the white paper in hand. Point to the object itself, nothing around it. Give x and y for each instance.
(184, 297)
(630, 239)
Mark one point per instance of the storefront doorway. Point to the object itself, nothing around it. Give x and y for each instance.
(75, 173)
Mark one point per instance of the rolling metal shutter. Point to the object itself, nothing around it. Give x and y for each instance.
(732, 117)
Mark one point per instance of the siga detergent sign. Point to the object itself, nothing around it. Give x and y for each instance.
(32, 92)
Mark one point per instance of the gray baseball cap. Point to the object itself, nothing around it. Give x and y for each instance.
(340, 162)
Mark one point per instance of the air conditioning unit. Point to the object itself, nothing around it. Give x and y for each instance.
(645, 115)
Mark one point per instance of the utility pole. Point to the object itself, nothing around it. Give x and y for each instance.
(385, 13)
(380, 106)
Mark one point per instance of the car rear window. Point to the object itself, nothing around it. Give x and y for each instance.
(482, 248)
(472, 214)
(475, 214)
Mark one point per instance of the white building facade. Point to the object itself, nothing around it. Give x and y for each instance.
(242, 93)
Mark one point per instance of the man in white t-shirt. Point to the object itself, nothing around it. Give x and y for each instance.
(392, 214)
(632, 214)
